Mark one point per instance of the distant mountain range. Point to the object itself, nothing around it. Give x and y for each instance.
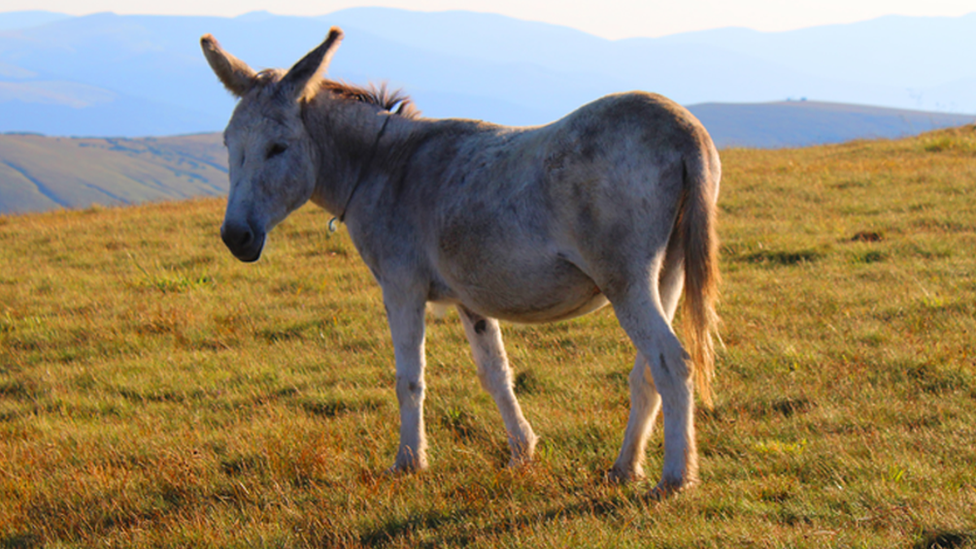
(41, 173)
(804, 123)
(112, 75)
(113, 78)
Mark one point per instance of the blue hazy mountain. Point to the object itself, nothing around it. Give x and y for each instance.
(26, 19)
(112, 75)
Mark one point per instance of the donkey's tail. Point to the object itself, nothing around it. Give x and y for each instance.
(696, 228)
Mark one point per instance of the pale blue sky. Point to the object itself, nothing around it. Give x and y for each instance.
(608, 18)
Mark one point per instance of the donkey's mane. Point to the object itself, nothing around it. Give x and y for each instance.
(394, 101)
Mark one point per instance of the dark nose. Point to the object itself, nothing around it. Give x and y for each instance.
(243, 240)
(236, 236)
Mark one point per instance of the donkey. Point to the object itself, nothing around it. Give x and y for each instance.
(615, 203)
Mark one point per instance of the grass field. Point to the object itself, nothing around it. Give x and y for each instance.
(154, 392)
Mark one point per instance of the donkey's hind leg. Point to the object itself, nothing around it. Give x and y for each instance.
(671, 279)
(642, 317)
(645, 402)
(495, 374)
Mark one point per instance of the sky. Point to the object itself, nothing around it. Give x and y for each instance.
(611, 19)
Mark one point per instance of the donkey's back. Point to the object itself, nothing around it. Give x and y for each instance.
(535, 224)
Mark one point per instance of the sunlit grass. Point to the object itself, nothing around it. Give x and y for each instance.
(156, 392)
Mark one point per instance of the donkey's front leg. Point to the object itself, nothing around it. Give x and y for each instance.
(406, 318)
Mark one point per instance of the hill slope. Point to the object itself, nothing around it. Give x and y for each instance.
(40, 173)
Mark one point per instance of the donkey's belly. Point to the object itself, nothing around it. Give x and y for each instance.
(543, 291)
(564, 310)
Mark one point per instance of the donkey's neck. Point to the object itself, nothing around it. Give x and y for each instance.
(353, 140)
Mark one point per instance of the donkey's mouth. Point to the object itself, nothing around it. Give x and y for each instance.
(248, 257)
(244, 242)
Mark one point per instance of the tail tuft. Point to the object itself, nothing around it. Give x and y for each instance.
(697, 229)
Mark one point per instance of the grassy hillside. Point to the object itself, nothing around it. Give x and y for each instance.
(155, 392)
(40, 173)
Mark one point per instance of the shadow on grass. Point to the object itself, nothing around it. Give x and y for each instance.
(20, 541)
(332, 407)
(933, 539)
(460, 532)
(758, 409)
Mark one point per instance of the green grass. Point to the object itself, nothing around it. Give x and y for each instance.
(154, 392)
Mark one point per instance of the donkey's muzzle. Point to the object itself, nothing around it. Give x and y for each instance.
(243, 240)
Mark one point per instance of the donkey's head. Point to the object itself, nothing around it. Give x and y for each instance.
(271, 155)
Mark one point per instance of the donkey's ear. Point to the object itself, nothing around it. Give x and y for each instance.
(236, 76)
(311, 66)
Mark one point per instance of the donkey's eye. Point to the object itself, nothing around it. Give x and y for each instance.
(276, 149)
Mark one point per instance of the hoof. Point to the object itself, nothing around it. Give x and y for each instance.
(407, 462)
(397, 470)
(665, 490)
(522, 451)
(621, 475)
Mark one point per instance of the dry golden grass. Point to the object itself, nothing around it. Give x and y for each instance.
(155, 392)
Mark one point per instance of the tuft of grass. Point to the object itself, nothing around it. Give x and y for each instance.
(527, 382)
(783, 258)
(872, 256)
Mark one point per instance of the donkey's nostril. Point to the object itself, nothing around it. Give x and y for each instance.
(236, 236)
(246, 238)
